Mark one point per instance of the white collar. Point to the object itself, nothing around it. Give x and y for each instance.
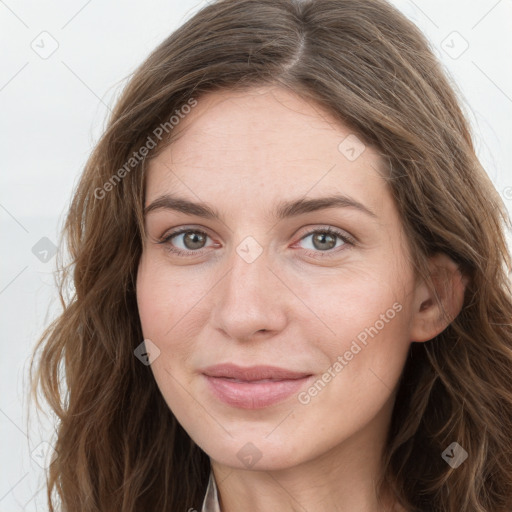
(211, 500)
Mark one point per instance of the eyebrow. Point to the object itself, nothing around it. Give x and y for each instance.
(283, 210)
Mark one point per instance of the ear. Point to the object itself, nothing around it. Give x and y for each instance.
(428, 318)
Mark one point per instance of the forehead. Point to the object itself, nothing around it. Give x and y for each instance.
(265, 143)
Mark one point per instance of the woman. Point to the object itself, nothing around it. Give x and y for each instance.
(290, 276)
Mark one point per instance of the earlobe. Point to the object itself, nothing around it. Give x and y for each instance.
(429, 317)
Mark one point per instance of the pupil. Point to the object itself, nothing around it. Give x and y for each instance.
(193, 238)
(321, 237)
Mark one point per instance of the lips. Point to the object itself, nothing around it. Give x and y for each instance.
(252, 373)
(253, 387)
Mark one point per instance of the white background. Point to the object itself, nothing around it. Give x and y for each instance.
(53, 110)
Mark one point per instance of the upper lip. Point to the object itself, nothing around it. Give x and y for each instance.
(252, 373)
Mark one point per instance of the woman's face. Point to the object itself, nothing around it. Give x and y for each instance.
(262, 285)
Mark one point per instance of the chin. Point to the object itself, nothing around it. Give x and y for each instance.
(254, 452)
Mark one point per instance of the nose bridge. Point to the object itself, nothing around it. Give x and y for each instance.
(246, 300)
(250, 278)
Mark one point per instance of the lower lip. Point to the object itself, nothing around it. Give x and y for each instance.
(255, 394)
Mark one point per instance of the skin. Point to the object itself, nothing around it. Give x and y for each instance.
(293, 306)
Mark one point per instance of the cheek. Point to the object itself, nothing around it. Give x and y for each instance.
(353, 299)
(365, 341)
(162, 298)
(172, 313)
(163, 306)
(363, 361)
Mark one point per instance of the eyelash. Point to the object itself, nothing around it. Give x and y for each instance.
(347, 240)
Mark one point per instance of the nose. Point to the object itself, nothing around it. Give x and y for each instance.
(250, 300)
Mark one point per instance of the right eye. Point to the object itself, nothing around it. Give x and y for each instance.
(192, 241)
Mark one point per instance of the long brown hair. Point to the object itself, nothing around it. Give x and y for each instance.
(119, 446)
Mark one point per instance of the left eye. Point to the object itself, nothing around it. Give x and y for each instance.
(324, 240)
